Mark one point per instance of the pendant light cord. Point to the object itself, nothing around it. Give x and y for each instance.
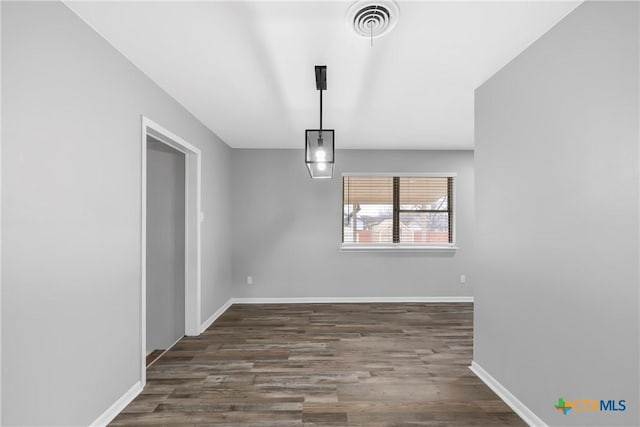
(321, 113)
(371, 32)
(375, 11)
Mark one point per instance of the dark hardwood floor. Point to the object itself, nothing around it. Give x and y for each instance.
(323, 365)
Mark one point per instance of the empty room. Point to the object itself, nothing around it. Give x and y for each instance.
(320, 213)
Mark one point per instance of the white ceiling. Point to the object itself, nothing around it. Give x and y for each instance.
(245, 68)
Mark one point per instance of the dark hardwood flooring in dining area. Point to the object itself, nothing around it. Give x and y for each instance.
(374, 364)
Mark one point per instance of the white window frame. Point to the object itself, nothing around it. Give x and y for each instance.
(404, 247)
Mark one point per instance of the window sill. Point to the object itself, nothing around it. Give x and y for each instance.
(398, 248)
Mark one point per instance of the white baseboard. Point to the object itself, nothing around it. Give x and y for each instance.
(324, 300)
(215, 315)
(513, 402)
(118, 406)
(339, 300)
(165, 350)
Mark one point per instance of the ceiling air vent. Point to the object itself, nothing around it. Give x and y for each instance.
(373, 18)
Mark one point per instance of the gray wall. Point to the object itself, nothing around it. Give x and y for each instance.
(165, 245)
(71, 200)
(287, 229)
(556, 277)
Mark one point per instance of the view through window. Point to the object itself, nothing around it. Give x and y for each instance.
(398, 209)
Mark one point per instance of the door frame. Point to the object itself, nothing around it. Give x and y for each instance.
(193, 220)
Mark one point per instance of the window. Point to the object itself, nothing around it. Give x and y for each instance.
(382, 211)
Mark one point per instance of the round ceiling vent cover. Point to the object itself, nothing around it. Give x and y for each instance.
(373, 18)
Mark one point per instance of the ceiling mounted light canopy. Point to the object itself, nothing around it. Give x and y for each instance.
(373, 18)
(319, 148)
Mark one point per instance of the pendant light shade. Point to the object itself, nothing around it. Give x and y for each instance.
(319, 152)
(319, 147)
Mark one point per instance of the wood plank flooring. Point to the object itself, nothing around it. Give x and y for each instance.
(323, 365)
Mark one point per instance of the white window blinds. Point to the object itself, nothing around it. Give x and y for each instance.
(398, 209)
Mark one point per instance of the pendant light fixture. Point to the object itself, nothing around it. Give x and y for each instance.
(319, 146)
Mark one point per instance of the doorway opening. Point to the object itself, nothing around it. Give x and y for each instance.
(166, 202)
(170, 242)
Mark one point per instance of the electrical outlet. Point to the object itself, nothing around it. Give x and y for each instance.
(463, 278)
(249, 280)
